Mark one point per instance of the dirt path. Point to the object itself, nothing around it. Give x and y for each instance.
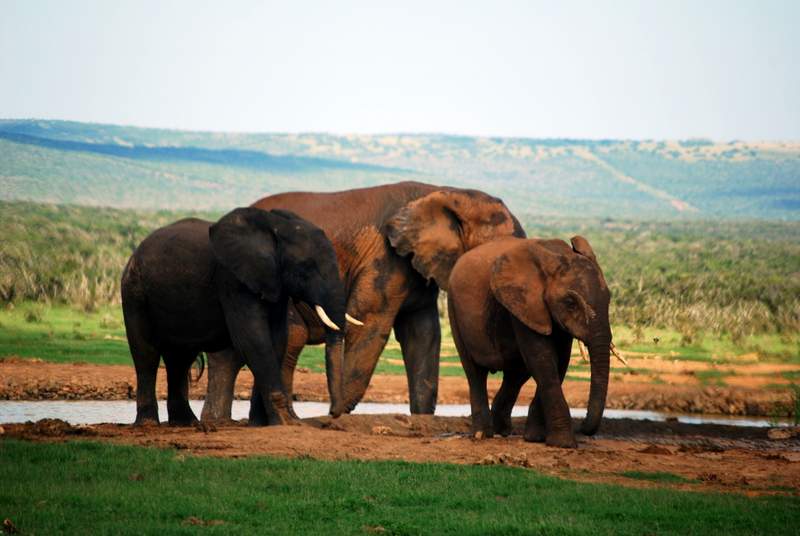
(671, 454)
(27, 379)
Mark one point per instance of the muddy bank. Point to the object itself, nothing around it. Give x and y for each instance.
(25, 379)
(696, 457)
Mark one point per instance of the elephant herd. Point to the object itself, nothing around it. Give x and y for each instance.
(345, 268)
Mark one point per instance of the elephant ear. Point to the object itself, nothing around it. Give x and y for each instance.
(581, 245)
(244, 242)
(430, 229)
(518, 283)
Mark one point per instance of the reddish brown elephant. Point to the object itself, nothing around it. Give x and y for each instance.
(395, 245)
(515, 305)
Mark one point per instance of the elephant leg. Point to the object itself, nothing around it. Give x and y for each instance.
(178, 410)
(513, 380)
(364, 344)
(249, 325)
(535, 429)
(259, 416)
(146, 358)
(476, 378)
(297, 338)
(420, 335)
(541, 358)
(223, 367)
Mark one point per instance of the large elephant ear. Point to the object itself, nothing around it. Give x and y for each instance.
(518, 283)
(244, 242)
(430, 229)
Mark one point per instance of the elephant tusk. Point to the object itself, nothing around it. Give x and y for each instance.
(352, 320)
(618, 355)
(324, 317)
(582, 348)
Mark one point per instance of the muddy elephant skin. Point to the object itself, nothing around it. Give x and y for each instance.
(396, 245)
(515, 305)
(195, 287)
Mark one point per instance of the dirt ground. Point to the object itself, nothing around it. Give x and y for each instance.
(30, 379)
(639, 454)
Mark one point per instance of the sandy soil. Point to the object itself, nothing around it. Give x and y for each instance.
(26, 379)
(708, 457)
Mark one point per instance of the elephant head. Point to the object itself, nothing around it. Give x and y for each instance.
(545, 281)
(277, 254)
(438, 228)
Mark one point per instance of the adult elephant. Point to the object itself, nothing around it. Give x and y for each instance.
(194, 286)
(396, 245)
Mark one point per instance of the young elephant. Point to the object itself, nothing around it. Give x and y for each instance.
(195, 287)
(515, 305)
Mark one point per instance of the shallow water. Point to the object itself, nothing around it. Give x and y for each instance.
(124, 411)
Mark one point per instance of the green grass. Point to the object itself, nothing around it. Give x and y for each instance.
(64, 334)
(92, 488)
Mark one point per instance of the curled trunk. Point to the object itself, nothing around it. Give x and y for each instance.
(334, 368)
(599, 356)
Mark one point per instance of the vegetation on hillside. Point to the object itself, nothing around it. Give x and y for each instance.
(111, 165)
(694, 277)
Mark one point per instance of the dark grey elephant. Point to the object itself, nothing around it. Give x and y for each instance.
(195, 287)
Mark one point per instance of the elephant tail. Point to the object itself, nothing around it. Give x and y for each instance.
(201, 367)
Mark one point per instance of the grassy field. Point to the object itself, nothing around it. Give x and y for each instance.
(83, 487)
(707, 291)
(698, 278)
(64, 334)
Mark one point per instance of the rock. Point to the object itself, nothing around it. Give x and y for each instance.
(708, 477)
(9, 527)
(783, 432)
(655, 449)
(381, 430)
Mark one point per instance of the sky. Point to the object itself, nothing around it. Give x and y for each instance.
(668, 69)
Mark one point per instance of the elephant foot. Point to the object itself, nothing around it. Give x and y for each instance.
(145, 421)
(281, 412)
(284, 414)
(563, 439)
(146, 416)
(180, 414)
(481, 428)
(534, 433)
(183, 421)
(501, 424)
(205, 427)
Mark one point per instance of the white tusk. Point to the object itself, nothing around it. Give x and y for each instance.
(324, 317)
(352, 320)
(618, 355)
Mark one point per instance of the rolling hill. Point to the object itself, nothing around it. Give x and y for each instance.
(119, 166)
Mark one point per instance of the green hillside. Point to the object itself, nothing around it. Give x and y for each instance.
(92, 164)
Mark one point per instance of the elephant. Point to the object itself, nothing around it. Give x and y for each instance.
(515, 305)
(194, 286)
(396, 245)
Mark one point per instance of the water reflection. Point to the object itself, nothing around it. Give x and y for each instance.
(124, 411)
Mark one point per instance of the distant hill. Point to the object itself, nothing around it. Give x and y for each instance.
(92, 164)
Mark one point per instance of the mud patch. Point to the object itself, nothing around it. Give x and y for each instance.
(699, 457)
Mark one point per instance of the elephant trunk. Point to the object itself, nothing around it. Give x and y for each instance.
(334, 368)
(599, 357)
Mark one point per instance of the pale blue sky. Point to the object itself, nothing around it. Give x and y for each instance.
(621, 69)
